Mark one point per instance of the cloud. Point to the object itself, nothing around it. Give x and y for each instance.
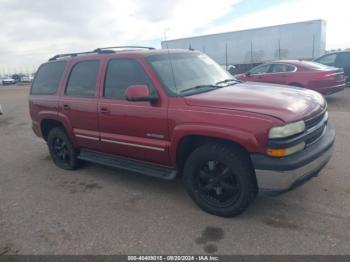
(33, 31)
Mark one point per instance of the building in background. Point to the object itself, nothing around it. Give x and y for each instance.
(247, 48)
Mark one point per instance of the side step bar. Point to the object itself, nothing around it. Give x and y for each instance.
(127, 164)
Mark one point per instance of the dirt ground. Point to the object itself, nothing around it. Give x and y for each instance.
(99, 210)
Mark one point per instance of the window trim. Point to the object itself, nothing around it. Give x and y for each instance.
(151, 88)
(70, 73)
(59, 82)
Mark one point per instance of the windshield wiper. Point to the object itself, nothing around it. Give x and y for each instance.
(231, 81)
(200, 88)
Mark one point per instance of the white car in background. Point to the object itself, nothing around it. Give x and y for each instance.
(26, 79)
(8, 81)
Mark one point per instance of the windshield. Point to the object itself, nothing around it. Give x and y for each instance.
(190, 70)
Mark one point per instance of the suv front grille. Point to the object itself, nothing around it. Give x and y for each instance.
(313, 121)
(315, 126)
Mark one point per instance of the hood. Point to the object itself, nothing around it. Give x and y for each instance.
(286, 103)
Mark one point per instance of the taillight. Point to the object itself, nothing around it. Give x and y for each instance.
(330, 76)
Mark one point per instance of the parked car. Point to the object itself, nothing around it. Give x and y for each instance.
(165, 113)
(337, 59)
(8, 81)
(323, 79)
(25, 79)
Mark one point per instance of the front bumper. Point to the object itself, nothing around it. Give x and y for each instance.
(278, 175)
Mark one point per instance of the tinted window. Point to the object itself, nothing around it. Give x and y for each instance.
(259, 69)
(327, 59)
(343, 60)
(121, 73)
(48, 78)
(82, 80)
(281, 68)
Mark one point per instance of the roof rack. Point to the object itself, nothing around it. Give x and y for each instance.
(102, 50)
(121, 47)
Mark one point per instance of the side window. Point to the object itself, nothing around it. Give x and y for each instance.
(343, 60)
(82, 79)
(262, 69)
(121, 73)
(281, 68)
(327, 59)
(48, 78)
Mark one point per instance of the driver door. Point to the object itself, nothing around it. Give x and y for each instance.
(258, 74)
(138, 130)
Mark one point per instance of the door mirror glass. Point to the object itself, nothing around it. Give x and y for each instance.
(139, 93)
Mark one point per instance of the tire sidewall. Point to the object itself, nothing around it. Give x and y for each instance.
(230, 159)
(60, 133)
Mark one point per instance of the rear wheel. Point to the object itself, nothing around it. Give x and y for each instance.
(220, 180)
(61, 149)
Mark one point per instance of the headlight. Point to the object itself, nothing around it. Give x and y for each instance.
(287, 130)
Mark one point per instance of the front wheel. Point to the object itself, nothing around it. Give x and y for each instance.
(220, 180)
(61, 149)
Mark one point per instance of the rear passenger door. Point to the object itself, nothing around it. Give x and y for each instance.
(137, 130)
(78, 103)
(280, 73)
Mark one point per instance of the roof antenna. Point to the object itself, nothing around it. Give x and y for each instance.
(169, 59)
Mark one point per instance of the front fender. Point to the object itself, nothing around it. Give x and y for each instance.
(242, 137)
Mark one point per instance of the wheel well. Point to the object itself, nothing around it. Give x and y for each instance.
(47, 125)
(295, 84)
(189, 143)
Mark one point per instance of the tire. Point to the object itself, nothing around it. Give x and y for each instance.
(61, 149)
(220, 180)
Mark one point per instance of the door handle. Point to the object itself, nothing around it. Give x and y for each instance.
(66, 107)
(104, 110)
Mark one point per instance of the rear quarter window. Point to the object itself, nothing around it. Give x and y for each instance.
(48, 78)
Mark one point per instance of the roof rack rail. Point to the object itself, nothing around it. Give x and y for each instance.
(102, 50)
(126, 46)
(71, 55)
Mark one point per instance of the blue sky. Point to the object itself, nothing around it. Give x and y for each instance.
(32, 31)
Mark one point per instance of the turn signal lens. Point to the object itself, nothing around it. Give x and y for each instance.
(286, 151)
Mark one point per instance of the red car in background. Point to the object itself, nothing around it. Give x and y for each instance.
(321, 78)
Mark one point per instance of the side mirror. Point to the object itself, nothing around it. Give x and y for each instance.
(138, 93)
(248, 74)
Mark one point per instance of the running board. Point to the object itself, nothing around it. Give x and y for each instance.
(128, 164)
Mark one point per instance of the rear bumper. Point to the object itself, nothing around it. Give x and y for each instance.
(278, 175)
(331, 89)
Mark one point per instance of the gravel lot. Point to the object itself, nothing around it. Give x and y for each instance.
(98, 210)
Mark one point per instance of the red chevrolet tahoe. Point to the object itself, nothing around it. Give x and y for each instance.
(166, 113)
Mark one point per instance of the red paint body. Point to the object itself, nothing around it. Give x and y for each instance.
(153, 131)
(325, 80)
